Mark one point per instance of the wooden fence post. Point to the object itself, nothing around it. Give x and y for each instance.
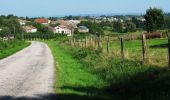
(108, 44)
(85, 42)
(99, 43)
(95, 42)
(91, 41)
(169, 51)
(122, 48)
(71, 41)
(82, 43)
(144, 49)
(78, 44)
(74, 42)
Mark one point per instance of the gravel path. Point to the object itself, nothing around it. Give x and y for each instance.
(29, 72)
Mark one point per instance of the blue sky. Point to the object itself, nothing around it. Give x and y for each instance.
(35, 8)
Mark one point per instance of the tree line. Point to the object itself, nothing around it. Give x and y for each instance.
(9, 25)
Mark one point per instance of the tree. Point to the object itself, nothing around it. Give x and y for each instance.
(138, 23)
(154, 19)
(167, 22)
(11, 22)
(118, 26)
(5, 32)
(130, 27)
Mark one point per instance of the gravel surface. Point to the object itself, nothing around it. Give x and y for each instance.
(27, 73)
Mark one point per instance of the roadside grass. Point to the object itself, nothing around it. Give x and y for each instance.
(84, 73)
(73, 81)
(8, 48)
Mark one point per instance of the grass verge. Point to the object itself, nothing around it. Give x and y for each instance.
(8, 48)
(73, 81)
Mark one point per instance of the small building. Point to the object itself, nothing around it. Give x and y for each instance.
(0, 29)
(29, 29)
(74, 23)
(44, 21)
(22, 22)
(62, 30)
(83, 29)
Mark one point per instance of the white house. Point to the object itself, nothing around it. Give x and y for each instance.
(22, 22)
(0, 29)
(83, 29)
(74, 22)
(62, 30)
(30, 29)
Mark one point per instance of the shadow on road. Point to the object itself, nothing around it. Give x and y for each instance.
(54, 97)
(38, 97)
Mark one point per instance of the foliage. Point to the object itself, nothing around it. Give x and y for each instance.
(118, 27)
(154, 19)
(10, 25)
(54, 25)
(40, 28)
(130, 27)
(139, 24)
(167, 22)
(10, 47)
(106, 24)
(39, 35)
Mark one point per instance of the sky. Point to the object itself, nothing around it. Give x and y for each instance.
(47, 8)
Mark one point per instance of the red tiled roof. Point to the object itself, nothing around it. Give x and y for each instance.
(41, 20)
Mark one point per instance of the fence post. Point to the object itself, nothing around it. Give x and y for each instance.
(78, 44)
(74, 41)
(82, 42)
(144, 49)
(94, 42)
(85, 42)
(108, 44)
(71, 41)
(169, 51)
(122, 48)
(90, 42)
(99, 43)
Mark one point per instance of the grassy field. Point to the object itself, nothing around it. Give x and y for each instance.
(8, 48)
(107, 32)
(157, 50)
(83, 74)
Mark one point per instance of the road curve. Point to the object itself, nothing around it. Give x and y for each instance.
(28, 72)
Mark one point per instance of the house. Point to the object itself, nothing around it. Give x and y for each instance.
(42, 21)
(29, 29)
(83, 29)
(22, 22)
(74, 23)
(0, 29)
(62, 30)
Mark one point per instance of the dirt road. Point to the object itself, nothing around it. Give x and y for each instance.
(29, 72)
